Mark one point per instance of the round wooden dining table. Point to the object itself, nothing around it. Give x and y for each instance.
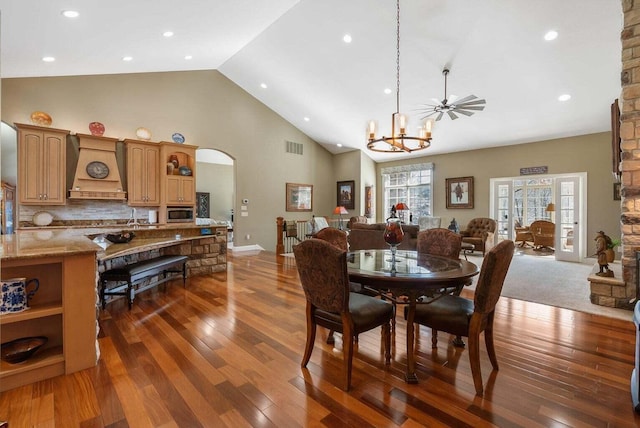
(409, 278)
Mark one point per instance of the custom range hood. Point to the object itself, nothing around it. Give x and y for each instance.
(97, 175)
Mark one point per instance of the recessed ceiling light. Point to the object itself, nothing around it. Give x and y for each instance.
(127, 58)
(387, 91)
(168, 34)
(306, 119)
(263, 85)
(347, 38)
(48, 59)
(188, 57)
(551, 35)
(70, 13)
(339, 145)
(564, 97)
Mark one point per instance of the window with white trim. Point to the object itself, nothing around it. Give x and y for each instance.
(411, 184)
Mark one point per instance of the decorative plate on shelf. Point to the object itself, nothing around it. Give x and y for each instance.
(21, 349)
(143, 133)
(184, 170)
(97, 169)
(177, 138)
(96, 129)
(42, 218)
(41, 118)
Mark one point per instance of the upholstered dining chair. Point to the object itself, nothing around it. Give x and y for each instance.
(464, 317)
(334, 236)
(440, 242)
(323, 273)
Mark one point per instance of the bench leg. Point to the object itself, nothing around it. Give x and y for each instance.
(184, 275)
(103, 302)
(132, 294)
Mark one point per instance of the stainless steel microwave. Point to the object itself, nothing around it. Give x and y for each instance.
(180, 215)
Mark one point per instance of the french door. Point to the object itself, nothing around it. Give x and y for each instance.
(567, 196)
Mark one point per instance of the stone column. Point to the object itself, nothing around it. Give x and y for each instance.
(630, 141)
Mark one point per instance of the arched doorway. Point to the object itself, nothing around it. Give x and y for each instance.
(215, 187)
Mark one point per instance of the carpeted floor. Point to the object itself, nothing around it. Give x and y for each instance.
(538, 277)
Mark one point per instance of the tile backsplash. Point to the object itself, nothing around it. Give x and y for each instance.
(85, 212)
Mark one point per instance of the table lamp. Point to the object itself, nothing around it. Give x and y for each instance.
(340, 210)
(401, 206)
(551, 208)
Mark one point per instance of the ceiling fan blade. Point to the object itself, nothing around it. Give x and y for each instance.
(439, 116)
(467, 98)
(429, 114)
(437, 101)
(466, 113)
(476, 108)
(472, 103)
(452, 115)
(452, 99)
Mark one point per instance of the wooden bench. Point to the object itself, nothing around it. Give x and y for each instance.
(135, 273)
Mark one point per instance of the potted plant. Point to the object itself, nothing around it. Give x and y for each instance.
(610, 251)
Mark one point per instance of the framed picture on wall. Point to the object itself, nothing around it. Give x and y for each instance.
(203, 204)
(368, 198)
(346, 194)
(299, 197)
(459, 192)
(616, 192)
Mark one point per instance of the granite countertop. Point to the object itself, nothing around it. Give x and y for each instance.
(30, 243)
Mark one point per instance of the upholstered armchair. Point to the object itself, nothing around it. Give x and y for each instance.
(481, 233)
(544, 234)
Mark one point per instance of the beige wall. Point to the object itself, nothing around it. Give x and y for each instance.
(210, 111)
(587, 153)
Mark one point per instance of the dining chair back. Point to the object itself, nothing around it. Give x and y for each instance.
(323, 273)
(464, 317)
(334, 236)
(440, 242)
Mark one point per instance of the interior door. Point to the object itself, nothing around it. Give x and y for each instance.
(568, 218)
(503, 203)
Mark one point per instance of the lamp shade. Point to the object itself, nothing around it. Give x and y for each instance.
(551, 207)
(401, 206)
(340, 210)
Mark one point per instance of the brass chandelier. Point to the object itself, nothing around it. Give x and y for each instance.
(399, 141)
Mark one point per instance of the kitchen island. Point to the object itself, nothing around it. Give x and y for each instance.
(67, 262)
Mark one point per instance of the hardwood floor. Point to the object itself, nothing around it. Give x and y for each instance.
(226, 352)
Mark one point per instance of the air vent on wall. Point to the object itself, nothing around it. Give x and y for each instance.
(295, 148)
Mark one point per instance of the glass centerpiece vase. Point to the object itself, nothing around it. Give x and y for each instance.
(393, 235)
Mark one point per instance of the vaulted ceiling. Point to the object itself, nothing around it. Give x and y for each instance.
(328, 88)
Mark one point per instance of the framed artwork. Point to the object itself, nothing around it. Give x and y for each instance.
(460, 192)
(616, 192)
(202, 204)
(346, 194)
(368, 198)
(299, 197)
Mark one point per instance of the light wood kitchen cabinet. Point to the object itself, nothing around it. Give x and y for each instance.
(180, 190)
(143, 173)
(42, 154)
(63, 309)
(178, 186)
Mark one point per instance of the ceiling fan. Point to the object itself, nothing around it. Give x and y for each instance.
(466, 106)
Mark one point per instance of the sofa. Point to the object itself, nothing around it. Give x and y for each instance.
(363, 236)
(357, 219)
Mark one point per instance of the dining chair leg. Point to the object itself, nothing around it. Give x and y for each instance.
(488, 338)
(434, 338)
(347, 351)
(386, 337)
(330, 338)
(311, 336)
(474, 354)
